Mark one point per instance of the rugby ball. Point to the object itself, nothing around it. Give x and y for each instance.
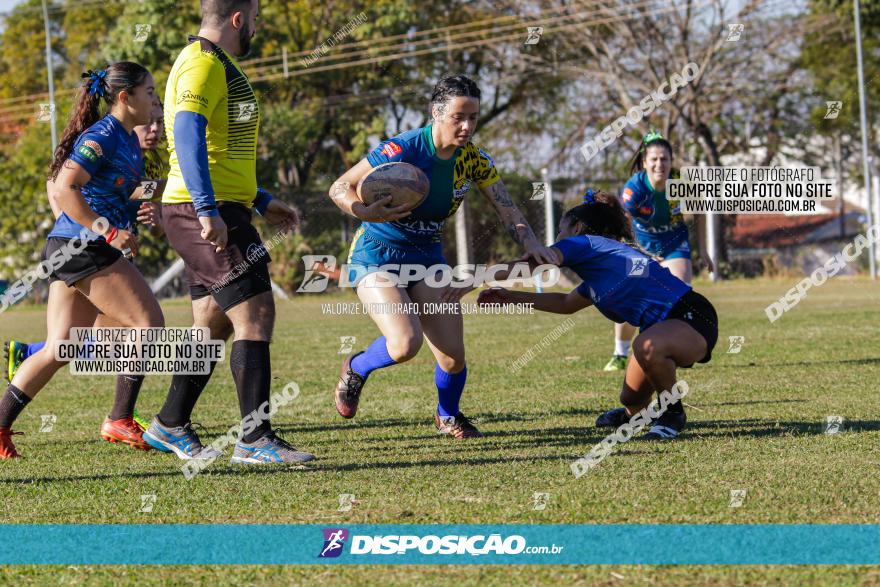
(404, 182)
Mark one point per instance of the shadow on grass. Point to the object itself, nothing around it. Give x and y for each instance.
(579, 438)
(865, 361)
(751, 402)
(759, 428)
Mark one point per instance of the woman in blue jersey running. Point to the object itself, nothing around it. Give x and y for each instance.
(658, 225)
(142, 211)
(403, 236)
(678, 326)
(96, 167)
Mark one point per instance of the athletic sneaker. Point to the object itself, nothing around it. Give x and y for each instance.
(268, 449)
(667, 427)
(617, 363)
(348, 389)
(139, 420)
(126, 431)
(13, 353)
(456, 426)
(7, 449)
(613, 418)
(181, 440)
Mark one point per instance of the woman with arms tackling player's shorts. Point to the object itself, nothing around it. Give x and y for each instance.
(658, 225)
(399, 235)
(96, 167)
(678, 326)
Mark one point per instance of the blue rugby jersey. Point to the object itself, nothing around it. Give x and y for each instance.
(658, 224)
(113, 158)
(450, 180)
(624, 284)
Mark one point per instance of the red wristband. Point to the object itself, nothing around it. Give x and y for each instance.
(111, 235)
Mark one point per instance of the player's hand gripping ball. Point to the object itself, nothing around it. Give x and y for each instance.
(405, 183)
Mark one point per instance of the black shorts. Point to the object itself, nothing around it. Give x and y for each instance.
(700, 315)
(235, 274)
(83, 262)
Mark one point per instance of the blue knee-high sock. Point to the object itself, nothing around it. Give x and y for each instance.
(449, 389)
(375, 357)
(33, 348)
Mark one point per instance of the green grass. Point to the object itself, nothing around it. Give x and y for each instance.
(756, 423)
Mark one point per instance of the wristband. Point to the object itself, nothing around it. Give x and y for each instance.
(261, 202)
(111, 235)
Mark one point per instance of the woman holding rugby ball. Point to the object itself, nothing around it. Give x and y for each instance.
(401, 235)
(678, 326)
(97, 165)
(659, 228)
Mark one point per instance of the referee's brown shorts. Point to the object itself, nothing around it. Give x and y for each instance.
(231, 276)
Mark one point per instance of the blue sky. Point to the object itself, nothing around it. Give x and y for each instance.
(7, 5)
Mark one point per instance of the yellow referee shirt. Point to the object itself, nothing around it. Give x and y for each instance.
(206, 80)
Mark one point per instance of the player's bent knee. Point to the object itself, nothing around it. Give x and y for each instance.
(403, 348)
(452, 364)
(644, 350)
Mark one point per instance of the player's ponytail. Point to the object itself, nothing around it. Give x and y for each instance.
(652, 139)
(101, 84)
(453, 87)
(602, 214)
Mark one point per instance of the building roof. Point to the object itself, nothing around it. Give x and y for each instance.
(753, 231)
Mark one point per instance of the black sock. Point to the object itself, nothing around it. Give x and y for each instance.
(127, 389)
(252, 372)
(11, 405)
(676, 408)
(182, 397)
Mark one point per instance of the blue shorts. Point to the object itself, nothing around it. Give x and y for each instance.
(666, 247)
(368, 255)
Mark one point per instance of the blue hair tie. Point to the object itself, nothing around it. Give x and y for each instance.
(96, 82)
(588, 197)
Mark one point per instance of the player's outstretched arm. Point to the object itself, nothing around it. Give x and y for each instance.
(515, 223)
(502, 272)
(557, 303)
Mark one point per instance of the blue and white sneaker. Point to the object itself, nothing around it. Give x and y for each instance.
(268, 449)
(181, 440)
(667, 427)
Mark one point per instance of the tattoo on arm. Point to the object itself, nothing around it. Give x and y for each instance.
(500, 196)
(513, 232)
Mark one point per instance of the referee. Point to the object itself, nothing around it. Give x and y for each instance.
(206, 207)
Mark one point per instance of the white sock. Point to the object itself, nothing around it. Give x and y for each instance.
(621, 347)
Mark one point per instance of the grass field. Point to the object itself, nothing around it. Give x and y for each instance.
(756, 423)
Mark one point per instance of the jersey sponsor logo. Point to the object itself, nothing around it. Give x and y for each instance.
(420, 227)
(88, 153)
(188, 96)
(627, 195)
(95, 146)
(391, 149)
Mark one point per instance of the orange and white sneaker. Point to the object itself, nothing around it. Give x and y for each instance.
(126, 431)
(7, 448)
(456, 426)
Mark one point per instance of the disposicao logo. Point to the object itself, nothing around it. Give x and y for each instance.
(334, 540)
